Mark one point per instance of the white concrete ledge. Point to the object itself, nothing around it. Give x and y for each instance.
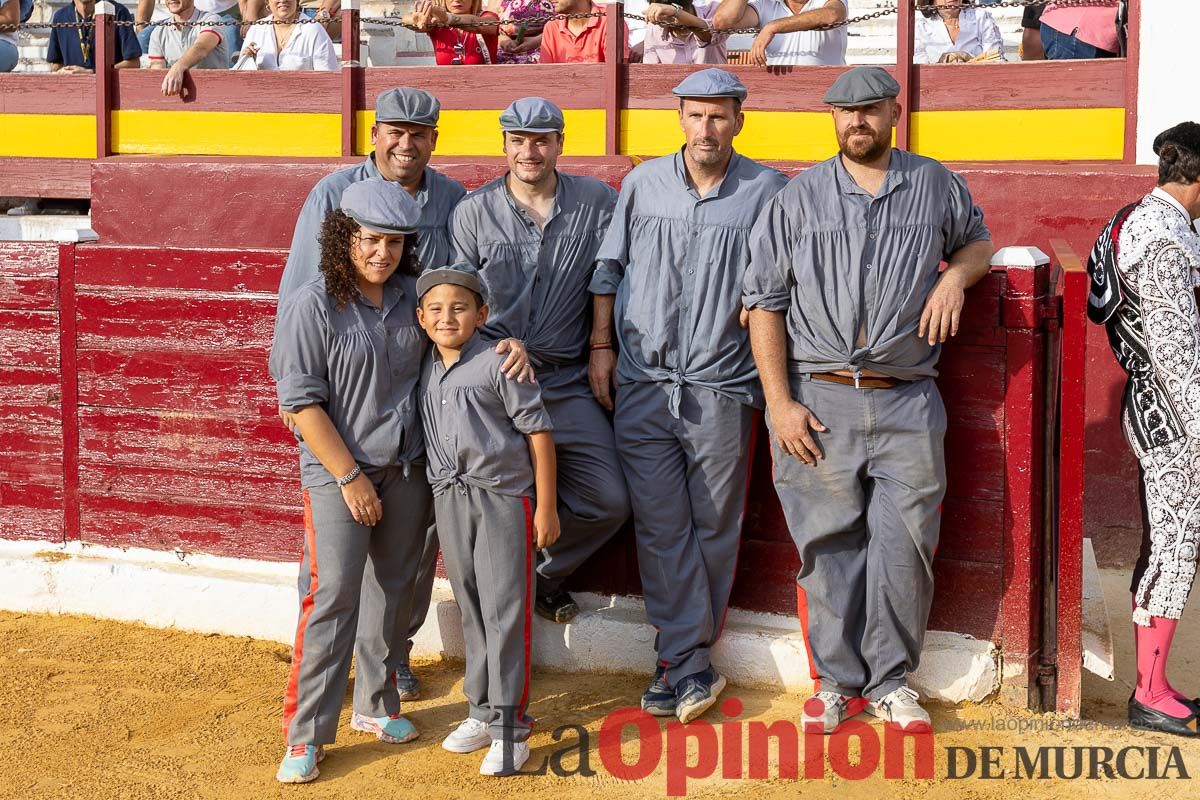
(243, 597)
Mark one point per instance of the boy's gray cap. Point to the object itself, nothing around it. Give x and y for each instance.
(406, 104)
(710, 82)
(383, 206)
(532, 114)
(460, 274)
(862, 86)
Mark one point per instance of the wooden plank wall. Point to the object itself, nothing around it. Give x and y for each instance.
(31, 434)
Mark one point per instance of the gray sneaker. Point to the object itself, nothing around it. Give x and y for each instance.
(901, 709)
(407, 684)
(829, 710)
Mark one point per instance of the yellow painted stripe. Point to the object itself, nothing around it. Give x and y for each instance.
(226, 133)
(477, 132)
(1073, 134)
(768, 135)
(48, 135)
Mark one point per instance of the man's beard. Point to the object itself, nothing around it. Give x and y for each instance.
(707, 158)
(864, 154)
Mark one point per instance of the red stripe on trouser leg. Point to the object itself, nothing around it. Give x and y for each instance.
(528, 603)
(306, 607)
(802, 613)
(750, 448)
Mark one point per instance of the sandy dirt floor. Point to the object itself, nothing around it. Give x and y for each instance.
(98, 710)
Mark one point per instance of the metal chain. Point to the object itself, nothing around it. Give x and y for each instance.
(395, 21)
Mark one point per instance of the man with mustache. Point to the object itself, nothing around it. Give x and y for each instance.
(404, 136)
(533, 234)
(847, 315)
(671, 268)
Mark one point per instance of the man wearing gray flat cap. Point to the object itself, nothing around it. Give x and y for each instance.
(848, 311)
(670, 277)
(533, 236)
(404, 136)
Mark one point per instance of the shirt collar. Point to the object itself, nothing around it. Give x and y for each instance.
(681, 173)
(1165, 196)
(893, 180)
(422, 193)
(589, 23)
(393, 293)
(555, 207)
(472, 346)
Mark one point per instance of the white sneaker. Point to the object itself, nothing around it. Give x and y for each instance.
(829, 710)
(469, 736)
(901, 709)
(494, 761)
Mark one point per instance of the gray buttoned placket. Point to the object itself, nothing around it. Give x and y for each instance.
(537, 240)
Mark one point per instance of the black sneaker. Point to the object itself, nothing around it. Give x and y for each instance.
(1145, 718)
(696, 693)
(556, 606)
(659, 698)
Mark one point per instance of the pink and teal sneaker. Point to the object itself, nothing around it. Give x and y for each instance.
(300, 764)
(393, 730)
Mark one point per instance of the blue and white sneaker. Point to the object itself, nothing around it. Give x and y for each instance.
(300, 764)
(393, 730)
(659, 698)
(696, 693)
(407, 684)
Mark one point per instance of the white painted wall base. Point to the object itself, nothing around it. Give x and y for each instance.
(242, 597)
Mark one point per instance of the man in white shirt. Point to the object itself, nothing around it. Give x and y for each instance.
(789, 30)
(177, 47)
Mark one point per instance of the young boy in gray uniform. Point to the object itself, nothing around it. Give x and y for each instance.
(482, 431)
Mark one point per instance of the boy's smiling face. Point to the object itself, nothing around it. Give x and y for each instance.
(450, 314)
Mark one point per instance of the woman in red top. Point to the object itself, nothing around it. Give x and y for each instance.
(453, 27)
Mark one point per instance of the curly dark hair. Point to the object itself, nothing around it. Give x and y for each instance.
(338, 232)
(929, 7)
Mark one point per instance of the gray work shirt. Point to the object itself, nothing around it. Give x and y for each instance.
(362, 364)
(841, 262)
(537, 279)
(437, 197)
(476, 420)
(675, 261)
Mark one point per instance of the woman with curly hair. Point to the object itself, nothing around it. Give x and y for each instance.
(346, 362)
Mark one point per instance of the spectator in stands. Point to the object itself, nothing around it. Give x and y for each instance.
(1083, 32)
(329, 11)
(461, 31)
(177, 48)
(240, 10)
(683, 34)
(10, 14)
(788, 32)
(72, 50)
(1031, 34)
(288, 45)
(576, 40)
(948, 33)
(521, 42)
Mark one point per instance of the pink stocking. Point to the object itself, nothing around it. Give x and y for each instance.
(1153, 648)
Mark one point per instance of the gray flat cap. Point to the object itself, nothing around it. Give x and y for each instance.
(862, 86)
(406, 104)
(710, 82)
(532, 114)
(460, 274)
(382, 206)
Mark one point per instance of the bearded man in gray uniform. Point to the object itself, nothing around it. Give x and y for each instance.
(671, 267)
(533, 234)
(847, 313)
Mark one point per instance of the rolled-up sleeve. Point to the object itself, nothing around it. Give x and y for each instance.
(613, 255)
(299, 355)
(523, 403)
(964, 220)
(768, 280)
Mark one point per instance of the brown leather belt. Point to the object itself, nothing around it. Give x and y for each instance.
(864, 381)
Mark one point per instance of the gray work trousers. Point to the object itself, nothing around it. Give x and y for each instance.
(406, 628)
(593, 503)
(865, 520)
(687, 482)
(487, 541)
(355, 582)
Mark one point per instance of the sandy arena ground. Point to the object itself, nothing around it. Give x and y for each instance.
(98, 710)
